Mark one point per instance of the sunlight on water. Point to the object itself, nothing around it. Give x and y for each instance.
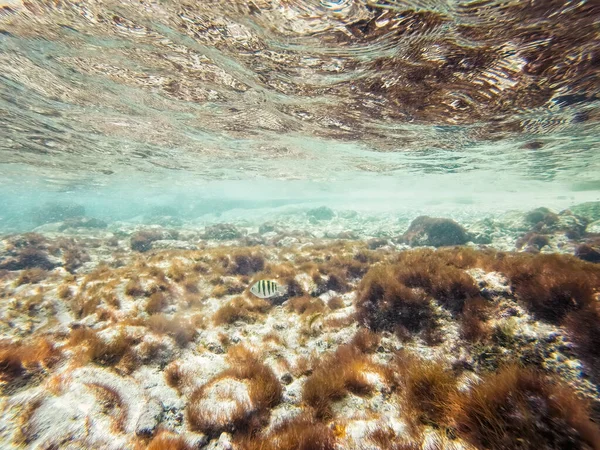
(403, 96)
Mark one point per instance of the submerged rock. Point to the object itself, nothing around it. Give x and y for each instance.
(173, 245)
(56, 212)
(320, 213)
(593, 228)
(589, 210)
(544, 221)
(266, 227)
(28, 251)
(82, 222)
(222, 232)
(588, 253)
(436, 232)
(142, 240)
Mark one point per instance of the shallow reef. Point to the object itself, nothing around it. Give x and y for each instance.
(110, 341)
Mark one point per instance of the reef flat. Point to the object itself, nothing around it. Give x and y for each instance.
(427, 334)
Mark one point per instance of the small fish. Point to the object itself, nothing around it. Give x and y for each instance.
(267, 289)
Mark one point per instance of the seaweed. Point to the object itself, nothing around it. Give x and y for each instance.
(521, 408)
(302, 432)
(385, 304)
(335, 375)
(242, 309)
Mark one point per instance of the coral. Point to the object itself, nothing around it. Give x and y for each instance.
(437, 232)
(166, 440)
(242, 309)
(302, 432)
(520, 408)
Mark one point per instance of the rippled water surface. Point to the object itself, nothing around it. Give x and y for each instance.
(390, 104)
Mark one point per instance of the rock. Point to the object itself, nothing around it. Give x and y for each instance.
(173, 244)
(223, 443)
(538, 215)
(149, 418)
(533, 242)
(266, 228)
(376, 243)
(141, 241)
(545, 221)
(287, 378)
(163, 221)
(196, 440)
(27, 251)
(593, 228)
(56, 212)
(588, 253)
(252, 240)
(436, 232)
(482, 231)
(348, 214)
(321, 213)
(491, 284)
(589, 210)
(222, 232)
(82, 222)
(574, 226)
(287, 241)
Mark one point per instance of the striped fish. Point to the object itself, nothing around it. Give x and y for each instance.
(267, 289)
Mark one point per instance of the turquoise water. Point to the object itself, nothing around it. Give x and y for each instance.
(439, 107)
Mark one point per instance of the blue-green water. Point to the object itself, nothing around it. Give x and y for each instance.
(441, 107)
